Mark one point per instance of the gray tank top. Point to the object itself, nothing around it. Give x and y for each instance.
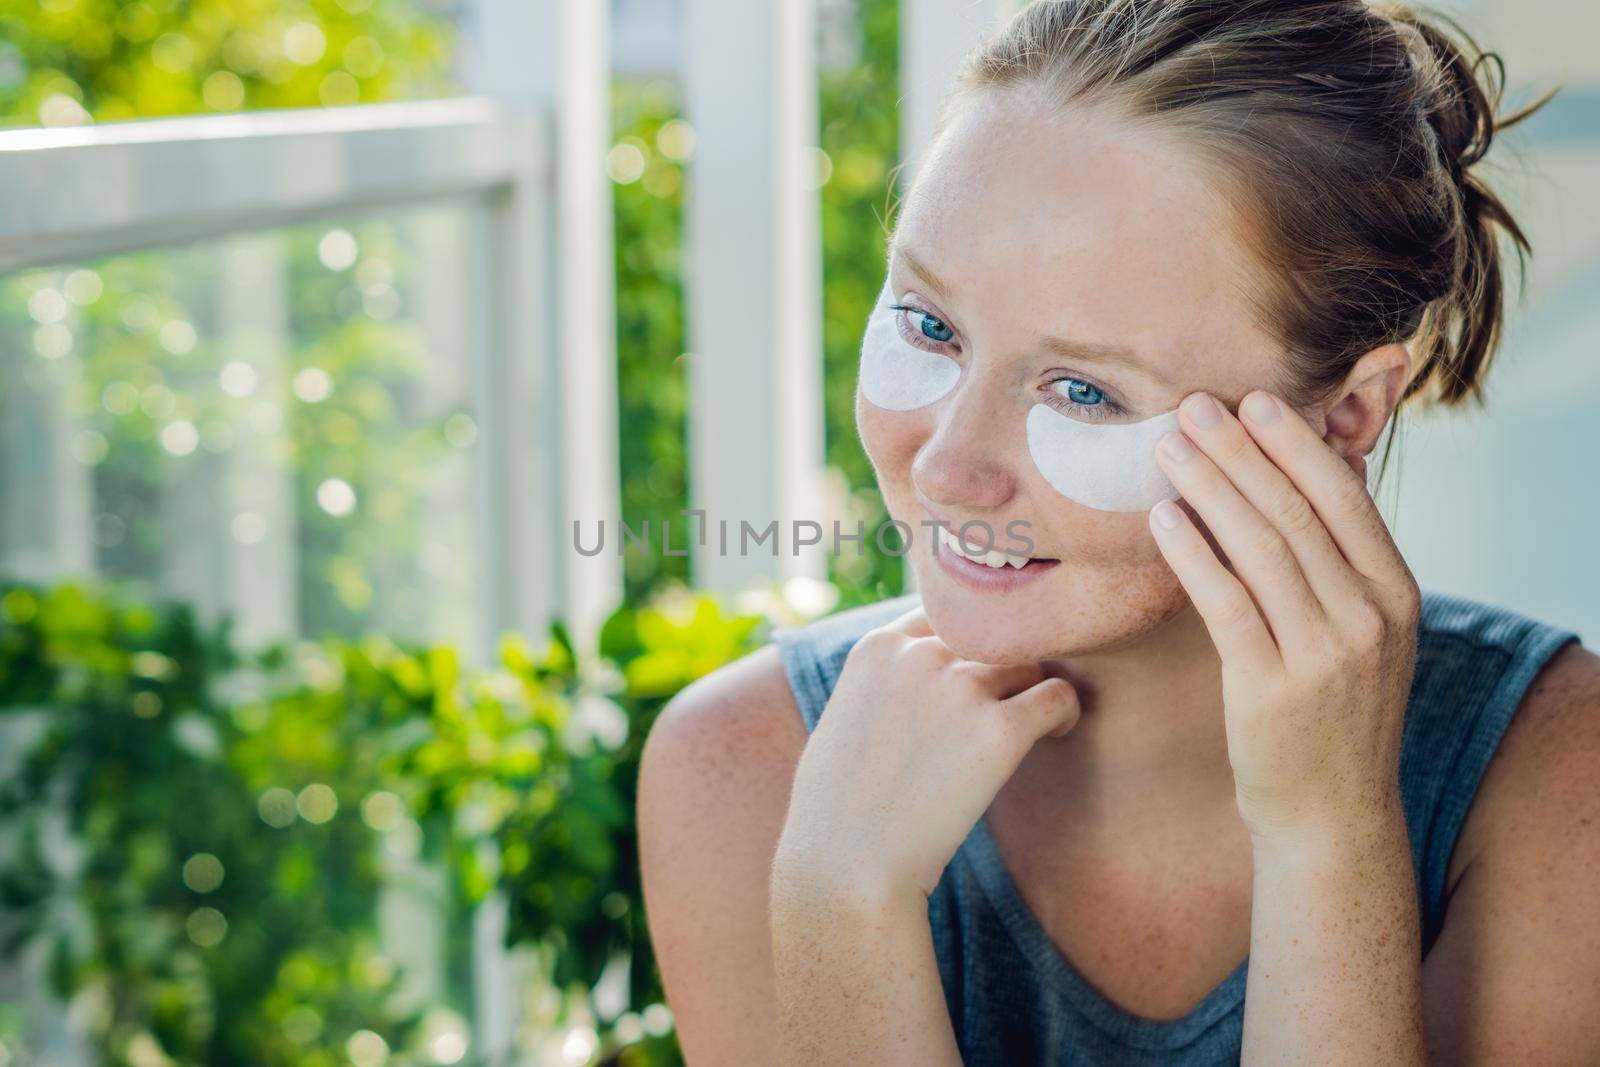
(1015, 999)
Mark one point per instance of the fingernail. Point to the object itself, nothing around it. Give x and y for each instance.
(1166, 514)
(1259, 408)
(1204, 411)
(1177, 446)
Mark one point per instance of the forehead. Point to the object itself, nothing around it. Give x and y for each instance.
(1073, 223)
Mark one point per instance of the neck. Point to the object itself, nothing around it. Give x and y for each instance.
(1150, 748)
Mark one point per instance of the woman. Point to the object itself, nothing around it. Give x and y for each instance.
(1186, 784)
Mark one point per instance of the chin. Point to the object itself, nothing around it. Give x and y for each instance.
(1076, 611)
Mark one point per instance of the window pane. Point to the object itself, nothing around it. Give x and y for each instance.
(276, 424)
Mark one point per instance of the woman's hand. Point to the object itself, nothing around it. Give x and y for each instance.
(1316, 624)
(913, 747)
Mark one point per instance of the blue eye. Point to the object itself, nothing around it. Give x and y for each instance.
(1081, 392)
(1082, 400)
(933, 328)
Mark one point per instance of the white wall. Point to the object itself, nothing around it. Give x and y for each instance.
(1499, 505)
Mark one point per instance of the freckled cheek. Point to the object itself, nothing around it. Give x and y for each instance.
(1112, 539)
(891, 440)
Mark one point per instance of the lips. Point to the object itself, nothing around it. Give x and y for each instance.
(986, 570)
(993, 557)
(990, 554)
(982, 578)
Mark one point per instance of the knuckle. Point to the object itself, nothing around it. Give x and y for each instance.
(1293, 514)
(925, 650)
(1199, 551)
(1269, 545)
(1409, 598)
(872, 643)
(1234, 609)
(1350, 493)
(1058, 691)
(1367, 626)
(1235, 445)
(967, 671)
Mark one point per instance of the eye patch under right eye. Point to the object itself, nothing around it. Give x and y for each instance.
(896, 374)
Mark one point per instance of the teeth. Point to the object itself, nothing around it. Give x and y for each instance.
(992, 558)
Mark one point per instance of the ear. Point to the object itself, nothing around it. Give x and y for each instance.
(1361, 406)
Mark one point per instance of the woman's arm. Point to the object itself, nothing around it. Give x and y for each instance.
(1335, 962)
(911, 750)
(713, 790)
(857, 981)
(1514, 976)
(1315, 617)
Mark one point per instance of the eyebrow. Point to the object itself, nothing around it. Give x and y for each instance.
(1090, 351)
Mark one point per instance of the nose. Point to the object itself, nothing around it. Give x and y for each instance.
(964, 463)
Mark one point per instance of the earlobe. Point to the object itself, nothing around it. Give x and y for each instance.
(1365, 402)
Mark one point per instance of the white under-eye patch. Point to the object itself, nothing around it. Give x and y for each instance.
(895, 373)
(1105, 466)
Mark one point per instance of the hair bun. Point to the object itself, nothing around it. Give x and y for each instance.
(1457, 106)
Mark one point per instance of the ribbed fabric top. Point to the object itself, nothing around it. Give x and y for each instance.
(1015, 999)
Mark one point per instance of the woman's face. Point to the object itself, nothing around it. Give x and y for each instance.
(1026, 225)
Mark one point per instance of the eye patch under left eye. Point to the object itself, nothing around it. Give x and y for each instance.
(1105, 466)
(896, 374)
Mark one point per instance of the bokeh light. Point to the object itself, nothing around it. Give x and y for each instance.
(626, 161)
(337, 249)
(312, 385)
(382, 810)
(202, 872)
(676, 140)
(180, 437)
(336, 497)
(367, 1049)
(276, 807)
(317, 803)
(237, 378)
(206, 927)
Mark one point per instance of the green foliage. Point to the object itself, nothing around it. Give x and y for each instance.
(860, 114)
(135, 854)
(201, 837)
(65, 61)
(652, 386)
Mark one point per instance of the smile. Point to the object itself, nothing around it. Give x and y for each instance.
(988, 570)
(991, 558)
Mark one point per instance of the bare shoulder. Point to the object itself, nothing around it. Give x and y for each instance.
(1546, 766)
(1515, 974)
(714, 783)
(742, 710)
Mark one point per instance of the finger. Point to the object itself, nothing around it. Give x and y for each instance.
(1212, 427)
(1332, 487)
(1231, 617)
(1258, 553)
(1002, 680)
(1049, 708)
(913, 623)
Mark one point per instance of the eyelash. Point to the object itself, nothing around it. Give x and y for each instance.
(919, 339)
(1105, 409)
